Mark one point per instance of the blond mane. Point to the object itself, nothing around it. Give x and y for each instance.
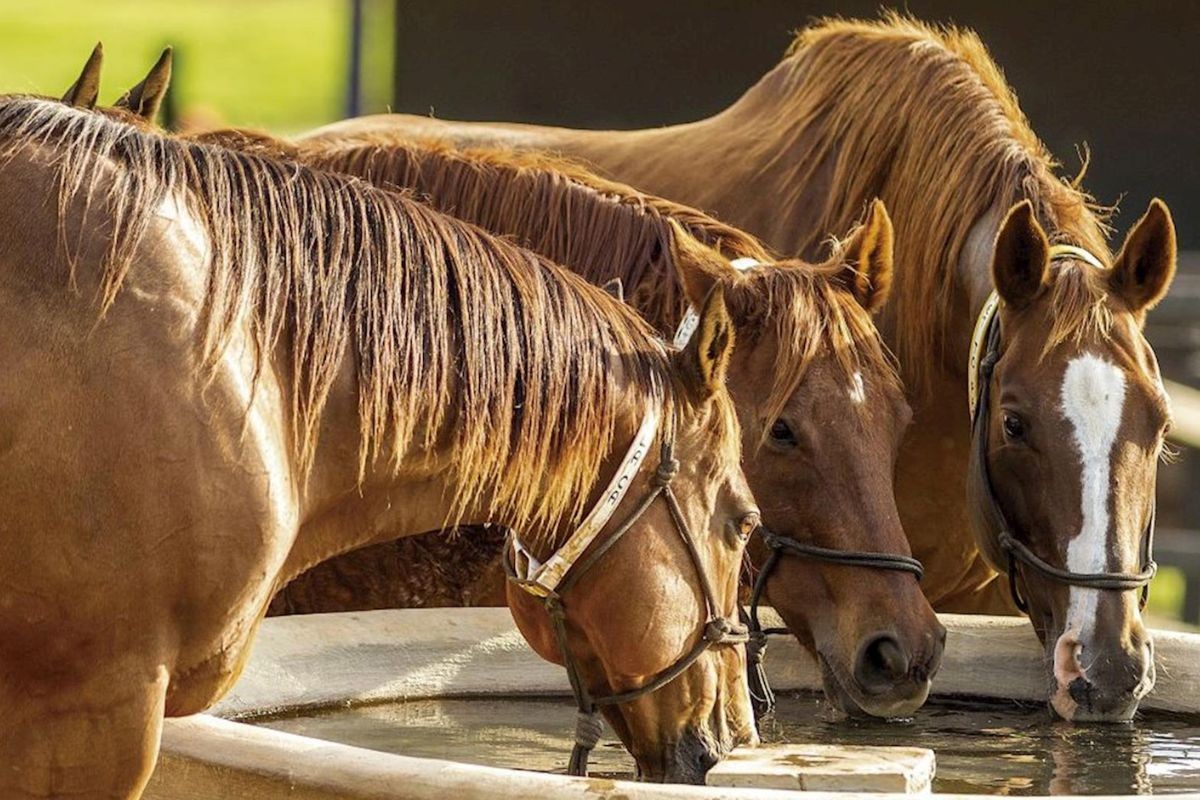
(921, 117)
(601, 229)
(604, 230)
(461, 342)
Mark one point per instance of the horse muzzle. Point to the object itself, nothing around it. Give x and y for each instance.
(1094, 683)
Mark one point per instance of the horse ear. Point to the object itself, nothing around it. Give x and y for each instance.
(146, 98)
(707, 354)
(1021, 257)
(1145, 267)
(867, 271)
(698, 266)
(86, 88)
(615, 288)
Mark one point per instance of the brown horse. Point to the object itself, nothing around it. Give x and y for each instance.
(922, 118)
(221, 369)
(820, 408)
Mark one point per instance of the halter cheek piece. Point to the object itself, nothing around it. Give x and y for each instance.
(985, 352)
(550, 581)
(761, 696)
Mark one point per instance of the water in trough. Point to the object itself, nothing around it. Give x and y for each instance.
(981, 747)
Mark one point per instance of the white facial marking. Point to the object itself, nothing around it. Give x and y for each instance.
(1093, 400)
(858, 392)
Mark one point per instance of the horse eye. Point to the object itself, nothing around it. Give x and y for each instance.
(1014, 428)
(748, 524)
(781, 433)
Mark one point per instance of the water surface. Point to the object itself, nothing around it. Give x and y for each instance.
(981, 747)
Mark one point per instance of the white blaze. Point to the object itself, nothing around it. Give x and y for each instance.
(1093, 400)
(858, 392)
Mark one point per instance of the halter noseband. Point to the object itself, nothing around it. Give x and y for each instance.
(761, 696)
(985, 352)
(549, 581)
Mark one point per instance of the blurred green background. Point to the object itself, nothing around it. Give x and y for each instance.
(277, 64)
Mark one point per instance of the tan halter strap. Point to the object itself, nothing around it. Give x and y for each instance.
(543, 579)
(983, 322)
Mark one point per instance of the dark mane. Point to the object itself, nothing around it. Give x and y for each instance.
(869, 98)
(457, 338)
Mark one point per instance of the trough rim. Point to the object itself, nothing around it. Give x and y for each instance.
(474, 653)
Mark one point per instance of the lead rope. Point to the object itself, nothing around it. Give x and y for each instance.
(762, 697)
(589, 727)
(589, 724)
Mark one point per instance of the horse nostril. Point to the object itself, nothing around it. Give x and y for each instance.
(1080, 691)
(881, 664)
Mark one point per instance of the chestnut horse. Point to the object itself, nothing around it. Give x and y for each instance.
(220, 369)
(821, 410)
(922, 118)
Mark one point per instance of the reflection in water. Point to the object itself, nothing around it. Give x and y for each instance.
(988, 748)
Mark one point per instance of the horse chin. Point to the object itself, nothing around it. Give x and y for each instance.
(847, 701)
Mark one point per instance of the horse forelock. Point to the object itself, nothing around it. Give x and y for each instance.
(922, 117)
(457, 338)
(811, 316)
(1079, 305)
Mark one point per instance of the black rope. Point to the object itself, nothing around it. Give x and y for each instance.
(761, 696)
(849, 558)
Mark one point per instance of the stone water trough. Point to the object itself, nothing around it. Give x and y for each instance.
(309, 663)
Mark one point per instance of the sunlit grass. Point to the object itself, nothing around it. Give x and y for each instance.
(279, 64)
(1166, 597)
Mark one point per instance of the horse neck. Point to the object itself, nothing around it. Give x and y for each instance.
(342, 512)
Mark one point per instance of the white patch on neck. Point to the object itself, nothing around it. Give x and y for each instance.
(858, 392)
(1093, 401)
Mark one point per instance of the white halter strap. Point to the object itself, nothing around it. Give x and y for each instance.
(691, 319)
(543, 579)
(990, 306)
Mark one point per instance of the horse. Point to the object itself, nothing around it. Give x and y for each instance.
(221, 369)
(921, 117)
(820, 408)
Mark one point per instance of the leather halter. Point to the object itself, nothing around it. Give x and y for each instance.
(761, 695)
(985, 352)
(550, 581)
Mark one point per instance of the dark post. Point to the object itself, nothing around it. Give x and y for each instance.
(354, 89)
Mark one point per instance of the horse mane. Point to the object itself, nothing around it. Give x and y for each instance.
(459, 340)
(920, 116)
(604, 230)
(550, 204)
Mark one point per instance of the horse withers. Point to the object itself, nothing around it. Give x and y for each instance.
(221, 369)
